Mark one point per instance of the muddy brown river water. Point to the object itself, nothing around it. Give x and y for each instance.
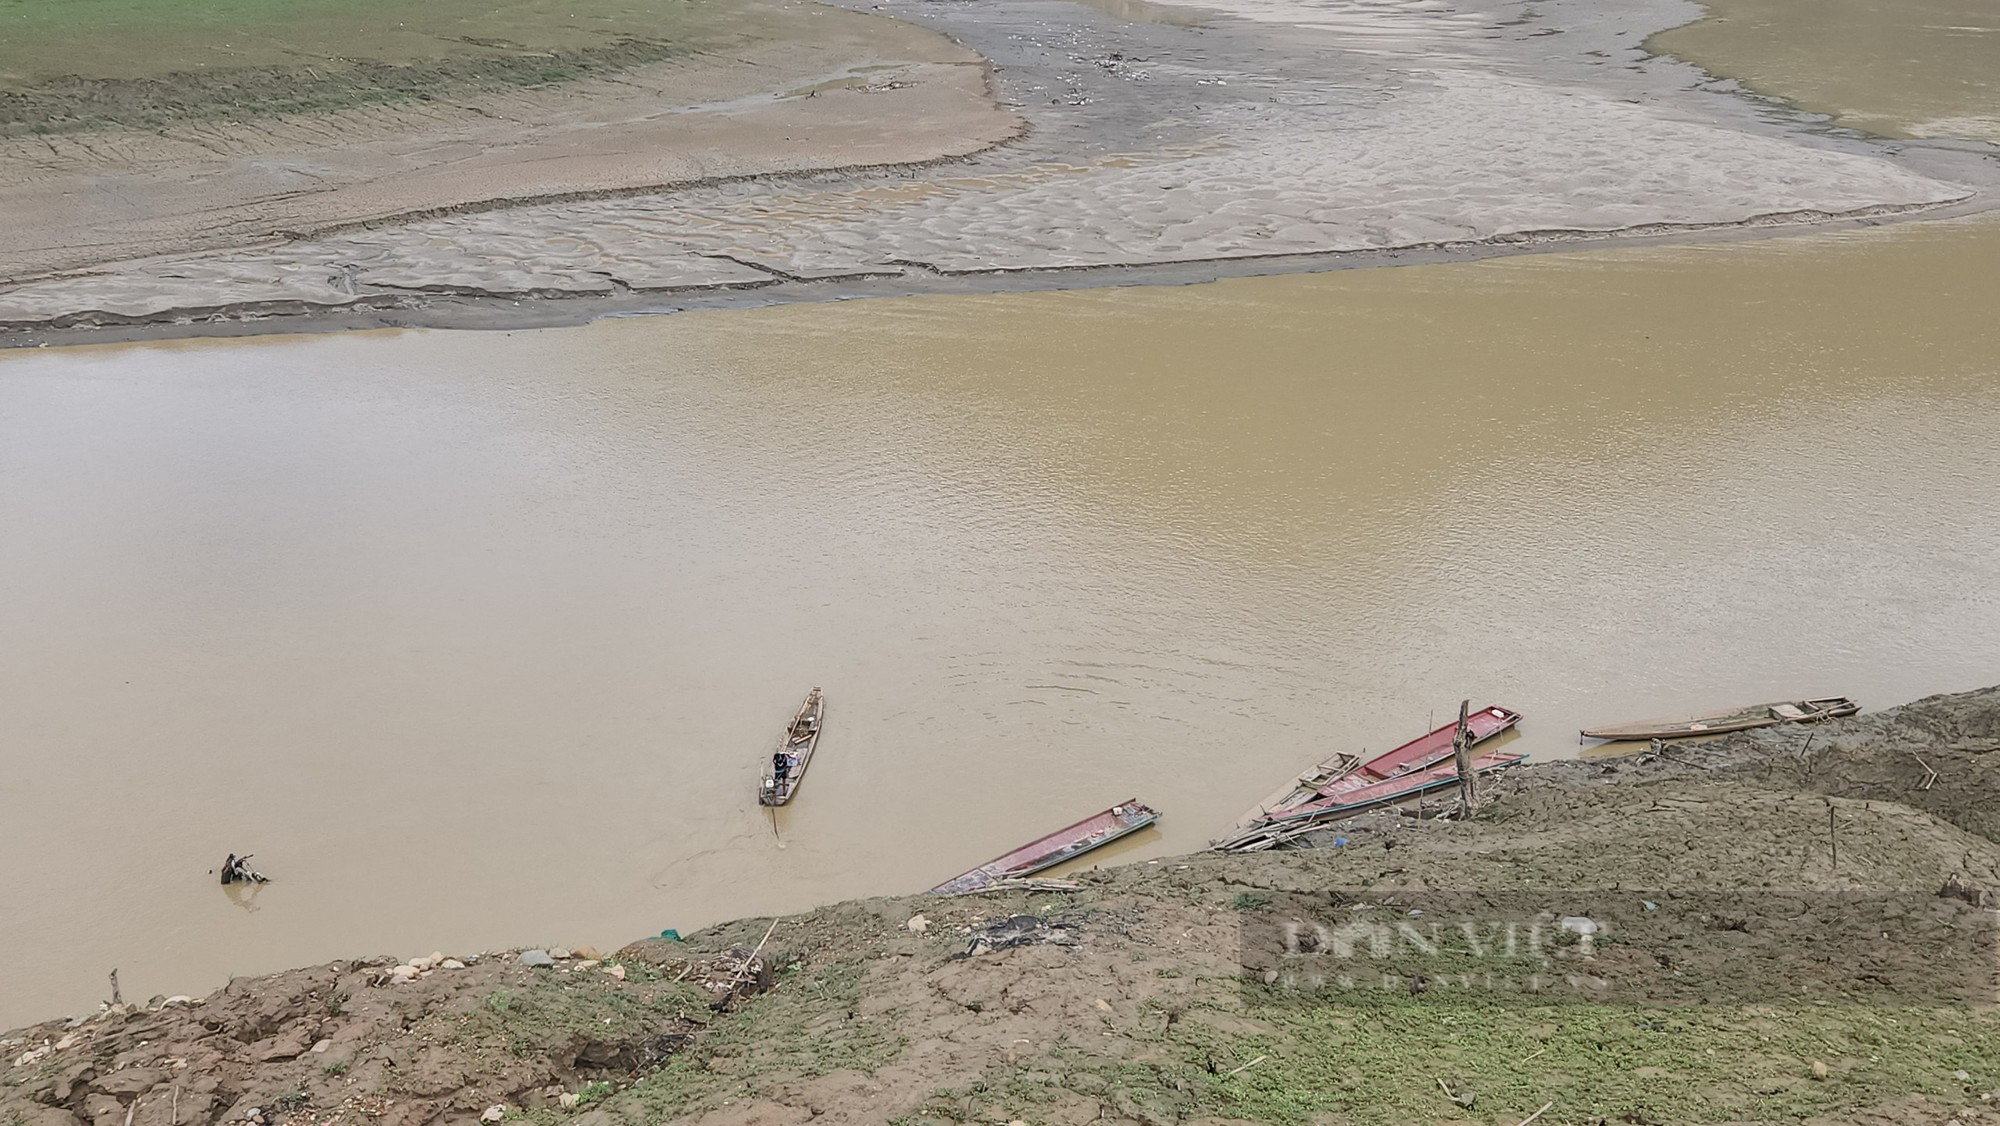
(1908, 68)
(479, 639)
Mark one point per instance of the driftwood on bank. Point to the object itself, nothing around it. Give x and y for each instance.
(1957, 887)
(1022, 883)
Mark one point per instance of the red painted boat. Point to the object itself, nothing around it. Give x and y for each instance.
(1408, 784)
(1303, 819)
(1415, 756)
(1350, 772)
(1416, 767)
(1063, 844)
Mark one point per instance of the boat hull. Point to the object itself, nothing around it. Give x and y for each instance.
(1415, 783)
(797, 745)
(1391, 790)
(1350, 770)
(1067, 843)
(1734, 719)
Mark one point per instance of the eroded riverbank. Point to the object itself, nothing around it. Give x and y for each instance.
(1716, 985)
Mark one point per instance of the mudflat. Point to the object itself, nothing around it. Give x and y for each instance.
(244, 128)
(1244, 135)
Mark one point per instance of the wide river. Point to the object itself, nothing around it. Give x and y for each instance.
(479, 639)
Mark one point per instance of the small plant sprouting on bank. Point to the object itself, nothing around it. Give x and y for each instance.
(337, 1067)
(595, 1091)
(1250, 901)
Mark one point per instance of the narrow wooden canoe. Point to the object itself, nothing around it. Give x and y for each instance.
(1302, 789)
(1356, 793)
(1733, 719)
(1098, 829)
(1350, 770)
(1355, 799)
(796, 748)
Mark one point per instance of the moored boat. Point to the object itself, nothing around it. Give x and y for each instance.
(1351, 771)
(1363, 795)
(787, 767)
(1098, 829)
(1731, 719)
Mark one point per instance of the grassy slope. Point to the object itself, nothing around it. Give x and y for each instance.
(1148, 1019)
(85, 63)
(1381, 1063)
(41, 39)
(1170, 1048)
(1143, 1014)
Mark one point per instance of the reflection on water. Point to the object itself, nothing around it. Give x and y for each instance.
(1897, 68)
(480, 639)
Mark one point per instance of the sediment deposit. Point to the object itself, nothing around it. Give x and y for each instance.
(1194, 138)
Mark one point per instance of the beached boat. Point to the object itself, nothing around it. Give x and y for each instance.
(1063, 844)
(1352, 770)
(795, 751)
(1362, 795)
(1733, 719)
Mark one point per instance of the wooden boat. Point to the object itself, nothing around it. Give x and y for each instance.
(1353, 799)
(1343, 769)
(1355, 793)
(1098, 829)
(1734, 719)
(796, 749)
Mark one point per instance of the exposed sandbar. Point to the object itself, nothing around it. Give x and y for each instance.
(1270, 131)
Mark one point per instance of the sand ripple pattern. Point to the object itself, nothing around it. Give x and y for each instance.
(1363, 156)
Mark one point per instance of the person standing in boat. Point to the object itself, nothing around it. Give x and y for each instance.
(781, 767)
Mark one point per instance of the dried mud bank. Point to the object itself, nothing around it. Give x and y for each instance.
(1162, 144)
(779, 86)
(1127, 1000)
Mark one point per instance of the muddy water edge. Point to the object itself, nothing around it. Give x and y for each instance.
(478, 639)
(1912, 68)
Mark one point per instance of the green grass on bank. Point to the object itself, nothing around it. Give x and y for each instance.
(810, 1027)
(1382, 1061)
(78, 64)
(41, 40)
(1363, 1059)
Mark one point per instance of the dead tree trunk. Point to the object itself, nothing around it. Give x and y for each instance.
(1461, 753)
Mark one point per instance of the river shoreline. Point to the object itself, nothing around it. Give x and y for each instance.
(487, 313)
(976, 1008)
(1199, 535)
(1198, 114)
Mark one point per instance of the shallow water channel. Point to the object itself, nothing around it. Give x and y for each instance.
(478, 639)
